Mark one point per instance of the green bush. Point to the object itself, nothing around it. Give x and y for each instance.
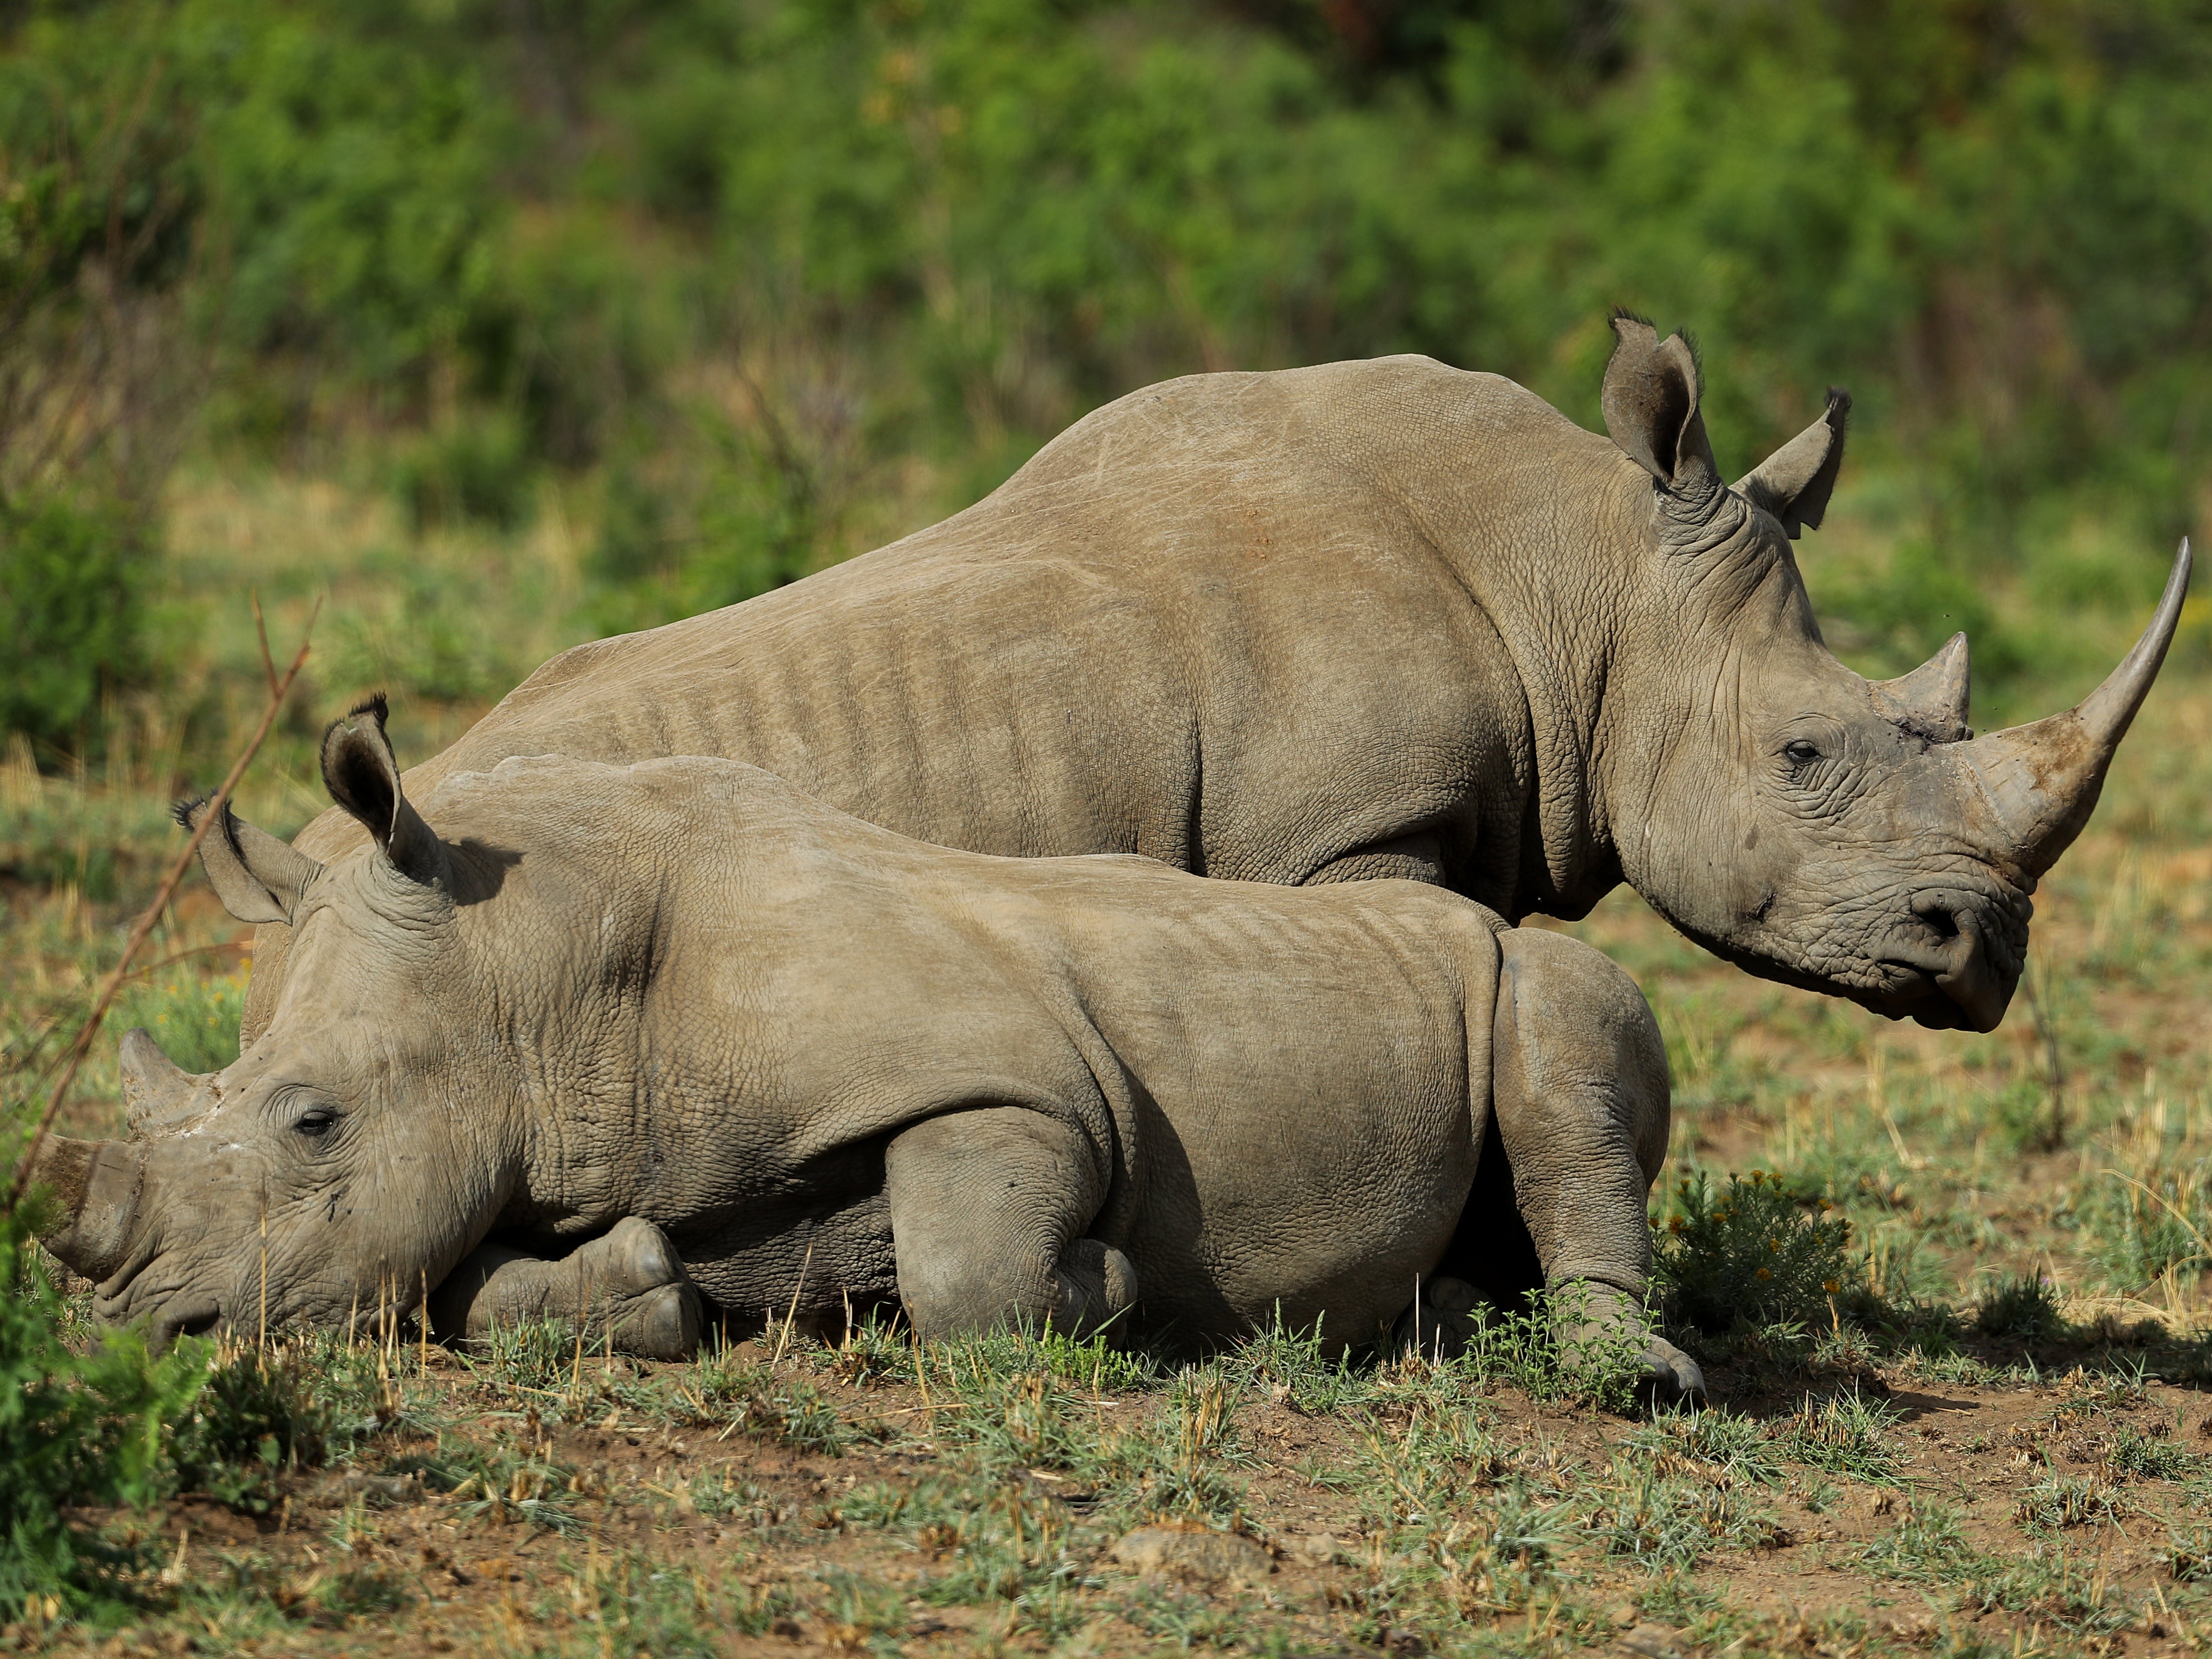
(70, 614)
(75, 1429)
(2022, 1308)
(1753, 1255)
(476, 468)
(261, 1414)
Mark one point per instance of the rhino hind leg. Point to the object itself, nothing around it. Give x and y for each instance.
(626, 1288)
(987, 1211)
(1581, 1104)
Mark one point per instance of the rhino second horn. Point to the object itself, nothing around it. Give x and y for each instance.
(1934, 699)
(95, 1186)
(2042, 780)
(156, 1091)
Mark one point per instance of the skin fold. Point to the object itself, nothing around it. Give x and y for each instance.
(673, 1042)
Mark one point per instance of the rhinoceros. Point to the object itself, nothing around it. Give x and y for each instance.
(614, 1029)
(1387, 618)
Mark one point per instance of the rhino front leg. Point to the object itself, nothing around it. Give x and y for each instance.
(627, 1284)
(987, 1211)
(1582, 1104)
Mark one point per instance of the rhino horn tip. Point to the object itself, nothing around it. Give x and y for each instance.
(2043, 781)
(2107, 711)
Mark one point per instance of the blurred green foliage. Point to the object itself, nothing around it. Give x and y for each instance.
(69, 600)
(75, 1429)
(737, 265)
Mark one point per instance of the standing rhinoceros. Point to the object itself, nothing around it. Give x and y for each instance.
(1387, 619)
(679, 1005)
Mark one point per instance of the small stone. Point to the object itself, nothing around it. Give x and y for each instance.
(1198, 1553)
(1653, 1642)
(1624, 1615)
(1313, 1549)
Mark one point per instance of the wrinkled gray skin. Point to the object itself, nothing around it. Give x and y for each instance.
(1386, 618)
(680, 1007)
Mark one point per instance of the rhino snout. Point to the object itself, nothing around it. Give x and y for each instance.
(1970, 959)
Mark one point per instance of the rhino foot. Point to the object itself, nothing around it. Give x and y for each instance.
(1439, 1324)
(1096, 1284)
(1669, 1377)
(1590, 1317)
(627, 1288)
(640, 1294)
(662, 1324)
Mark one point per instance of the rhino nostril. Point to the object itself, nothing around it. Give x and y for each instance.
(1942, 920)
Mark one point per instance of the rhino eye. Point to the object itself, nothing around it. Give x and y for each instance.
(1799, 752)
(315, 1123)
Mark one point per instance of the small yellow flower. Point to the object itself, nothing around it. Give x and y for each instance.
(1675, 1226)
(1763, 1274)
(1831, 1285)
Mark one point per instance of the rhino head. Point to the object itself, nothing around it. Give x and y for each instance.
(1840, 834)
(355, 1153)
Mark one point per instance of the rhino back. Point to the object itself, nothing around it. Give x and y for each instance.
(1209, 622)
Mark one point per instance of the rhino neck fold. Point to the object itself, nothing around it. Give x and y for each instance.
(1561, 648)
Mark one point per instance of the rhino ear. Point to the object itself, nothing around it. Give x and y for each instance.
(363, 775)
(1650, 403)
(257, 877)
(1794, 482)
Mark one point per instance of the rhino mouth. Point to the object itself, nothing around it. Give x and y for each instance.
(189, 1315)
(153, 1282)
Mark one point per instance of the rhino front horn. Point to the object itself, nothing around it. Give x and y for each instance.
(2041, 781)
(94, 1186)
(157, 1092)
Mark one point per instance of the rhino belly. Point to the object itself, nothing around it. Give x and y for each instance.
(1320, 1208)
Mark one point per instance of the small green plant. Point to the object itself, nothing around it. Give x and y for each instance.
(530, 1356)
(1846, 1434)
(1925, 1545)
(2187, 1557)
(2020, 1308)
(2152, 1457)
(1664, 1521)
(258, 1417)
(649, 1606)
(1555, 1349)
(1733, 1445)
(2060, 1503)
(505, 1485)
(1755, 1256)
(717, 1497)
(753, 1399)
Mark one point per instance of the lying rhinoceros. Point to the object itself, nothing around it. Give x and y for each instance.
(1387, 619)
(830, 1065)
